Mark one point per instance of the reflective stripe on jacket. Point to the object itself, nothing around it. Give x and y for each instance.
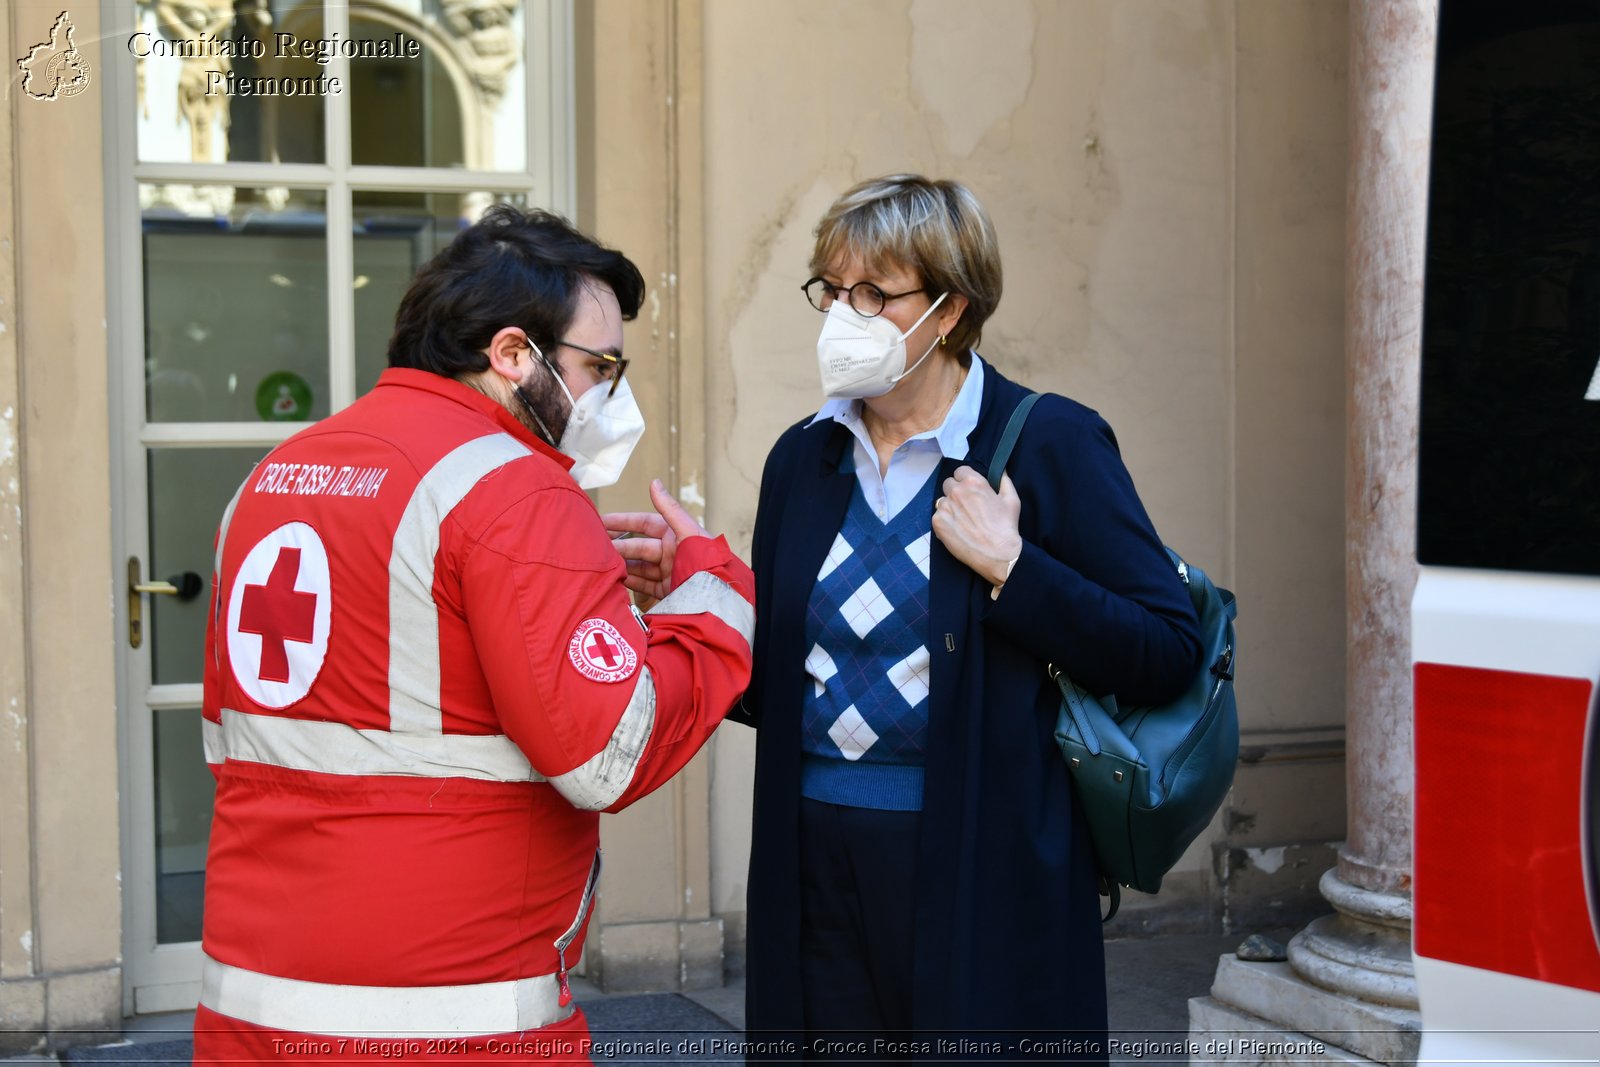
(424, 679)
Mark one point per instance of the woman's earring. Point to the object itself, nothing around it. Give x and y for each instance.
(941, 340)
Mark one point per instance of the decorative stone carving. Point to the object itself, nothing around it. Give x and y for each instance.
(256, 16)
(492, 47)
(187, 20)
(194, 201)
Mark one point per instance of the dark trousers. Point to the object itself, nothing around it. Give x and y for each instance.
(858, 884)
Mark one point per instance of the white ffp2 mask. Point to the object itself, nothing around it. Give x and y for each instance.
(603, 426)
(860, 357)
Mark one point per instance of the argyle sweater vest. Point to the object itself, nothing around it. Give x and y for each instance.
(865, 719)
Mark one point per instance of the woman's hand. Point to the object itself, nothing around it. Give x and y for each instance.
(648, 542)
(978, 525)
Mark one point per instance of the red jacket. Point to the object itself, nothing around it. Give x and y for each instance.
(424, 681)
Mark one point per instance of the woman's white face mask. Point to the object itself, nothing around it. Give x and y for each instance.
(602, 429)
(860, 357)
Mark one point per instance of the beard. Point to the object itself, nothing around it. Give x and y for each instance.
(542, 408)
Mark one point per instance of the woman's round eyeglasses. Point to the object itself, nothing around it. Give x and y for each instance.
(867, 299)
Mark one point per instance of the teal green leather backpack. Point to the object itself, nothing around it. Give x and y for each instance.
(1149, 778)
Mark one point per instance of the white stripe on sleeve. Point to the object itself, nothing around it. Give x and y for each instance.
(597, 784)
(705, 593)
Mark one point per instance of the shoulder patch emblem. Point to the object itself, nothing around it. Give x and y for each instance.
(599, 652)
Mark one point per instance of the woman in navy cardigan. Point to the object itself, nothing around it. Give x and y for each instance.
(919, 870)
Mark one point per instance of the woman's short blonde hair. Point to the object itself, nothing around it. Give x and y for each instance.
(936, 228)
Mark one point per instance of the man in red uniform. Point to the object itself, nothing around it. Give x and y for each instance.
(425, 679)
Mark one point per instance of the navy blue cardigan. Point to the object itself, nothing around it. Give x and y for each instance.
(1008, 911)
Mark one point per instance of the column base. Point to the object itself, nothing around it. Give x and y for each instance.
(22, 1025)
(1363, 950)
(60, 1011)
(1351, 957)
(1273, 999)
(1349, 981)
(1223, 1035)
(656, 957)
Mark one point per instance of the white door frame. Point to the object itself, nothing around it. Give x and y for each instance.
(167, 977)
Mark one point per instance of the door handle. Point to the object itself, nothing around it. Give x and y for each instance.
(185, 587)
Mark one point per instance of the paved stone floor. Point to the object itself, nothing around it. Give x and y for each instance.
(1150, 981)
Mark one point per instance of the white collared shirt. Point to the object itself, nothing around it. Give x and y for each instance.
(918, 456)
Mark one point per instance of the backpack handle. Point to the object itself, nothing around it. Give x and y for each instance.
(1008, 440)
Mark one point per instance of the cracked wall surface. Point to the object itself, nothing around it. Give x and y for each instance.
(1166, 179)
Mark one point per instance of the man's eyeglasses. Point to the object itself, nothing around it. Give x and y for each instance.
(867, 299)
(614, 366)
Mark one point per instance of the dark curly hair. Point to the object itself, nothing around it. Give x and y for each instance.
(510, 268)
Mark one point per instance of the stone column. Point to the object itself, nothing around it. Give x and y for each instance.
(1348, 982)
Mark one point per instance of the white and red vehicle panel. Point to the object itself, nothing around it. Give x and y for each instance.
(1505, 924)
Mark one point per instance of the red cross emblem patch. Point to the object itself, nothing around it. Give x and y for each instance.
(279, 613)
(600, 653)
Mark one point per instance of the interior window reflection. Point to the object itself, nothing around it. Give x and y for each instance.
(236, 304)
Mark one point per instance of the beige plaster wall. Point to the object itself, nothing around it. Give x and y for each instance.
(638, 169)
(1288, 266)
(1289, 269)
(60, 882)
(16, 867)
(1166, 179)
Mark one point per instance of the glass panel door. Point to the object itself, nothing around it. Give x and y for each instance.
(260, 244)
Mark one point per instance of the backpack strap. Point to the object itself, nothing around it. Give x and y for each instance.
(1109, 888)
(997, 468)
(1008, 440)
